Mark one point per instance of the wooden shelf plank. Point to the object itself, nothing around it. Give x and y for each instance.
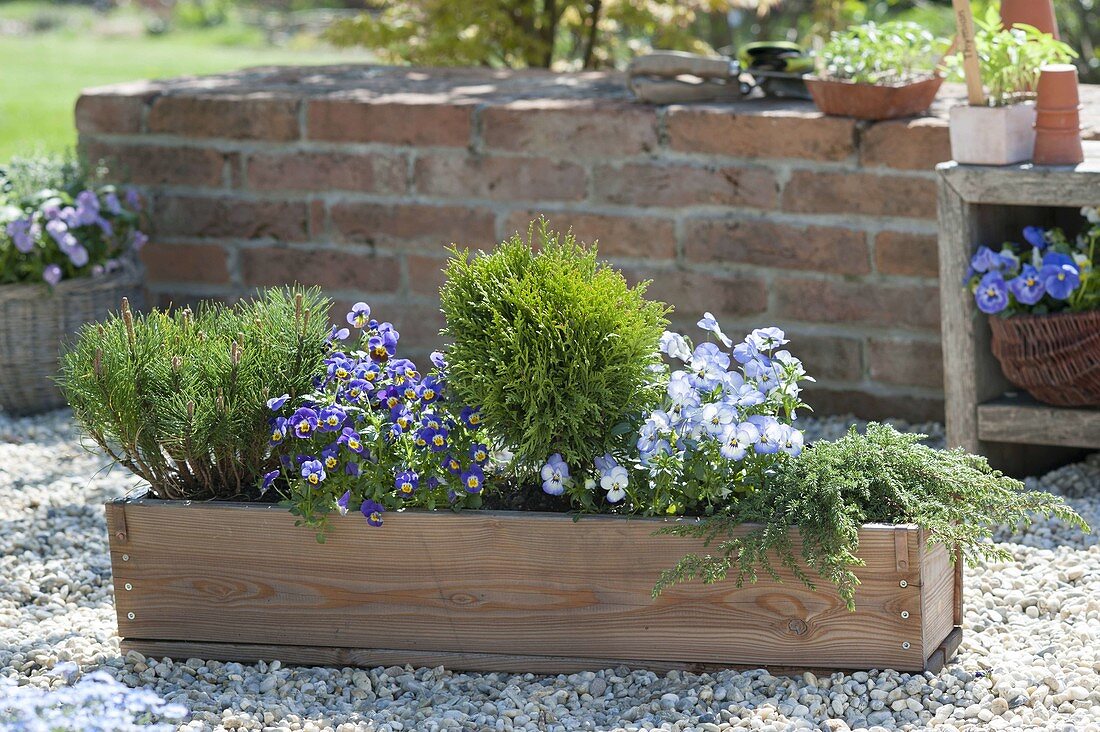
(1023, 420)
(1028, 184)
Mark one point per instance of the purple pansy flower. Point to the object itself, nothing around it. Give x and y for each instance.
(352, 469)
(992, 293)
(278, 430)
(78, 255)
(276, 403)
(1060, 275)
(138, 240)
(1028, 288)
(473, 479)
(52, 274)
(133, 199)
(373, 512)
(313, 471)
(332, 419)
(406, 482)
(1035, 236)
(22, 233)
(352, 439)
(342, 503)
(112, 204)
(359, 315)
(438, 360)
(304, 422)
(269, 478)
(554, 474)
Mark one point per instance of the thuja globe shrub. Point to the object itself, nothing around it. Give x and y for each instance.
(554, 346)
(180, 398)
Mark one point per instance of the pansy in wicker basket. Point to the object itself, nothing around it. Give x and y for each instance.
(1044, 299)
(67, 257)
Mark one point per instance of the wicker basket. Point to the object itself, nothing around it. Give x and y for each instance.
(35, 321)
(1056, 358)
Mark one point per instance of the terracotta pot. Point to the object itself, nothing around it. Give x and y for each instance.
(872, 101)
(992, 135)
(1058, 119)
(1039, 13)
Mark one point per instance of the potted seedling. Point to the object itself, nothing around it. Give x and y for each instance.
(877, 71)
(1001, 66)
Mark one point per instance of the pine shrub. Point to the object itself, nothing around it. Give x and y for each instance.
(553, 345)
(829, 491)
(180, 398)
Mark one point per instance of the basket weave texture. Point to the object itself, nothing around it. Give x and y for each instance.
(1055, 358)
(36, 321)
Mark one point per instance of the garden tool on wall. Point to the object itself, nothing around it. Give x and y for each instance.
(668, 77)
(777, 67)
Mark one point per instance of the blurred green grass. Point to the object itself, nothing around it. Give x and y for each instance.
(42, 73)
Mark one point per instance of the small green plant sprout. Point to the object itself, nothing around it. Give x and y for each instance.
(1010, 58)
(833, 488)
(180, 398)
(553, 345)
(888, 53)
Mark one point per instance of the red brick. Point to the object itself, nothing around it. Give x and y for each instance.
(230, 218)
(902, 253)
(858, 303)
(329, 268)
(376, 172)
(644, 184)
(860, 193)
(692, 293)
(563, 129)
(185, 263)
(646, 237)
(771, 244)
(404, 224)
(425, 273)
(236, 117)
(507, 179)
(867, 404)
(828, 357)
(906, 362)
(158, 165)
(177, 299)
(351, 120)
(909, 144)
(746, 130)
(110, 113)
(419, 325)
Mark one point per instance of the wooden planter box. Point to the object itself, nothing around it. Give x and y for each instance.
(501, 591)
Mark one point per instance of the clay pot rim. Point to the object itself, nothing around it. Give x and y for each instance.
(849, 82)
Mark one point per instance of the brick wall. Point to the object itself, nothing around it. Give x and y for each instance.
(355, 178)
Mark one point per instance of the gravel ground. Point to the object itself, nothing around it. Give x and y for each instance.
(1030, 657)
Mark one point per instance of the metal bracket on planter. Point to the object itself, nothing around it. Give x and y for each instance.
(670, 77)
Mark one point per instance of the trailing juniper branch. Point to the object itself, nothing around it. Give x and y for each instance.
(833, 488)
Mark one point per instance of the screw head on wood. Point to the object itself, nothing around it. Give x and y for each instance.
(905, 645)
(904, 613)
(125, 557)
(129, 587)
(131, 616)
(903, 583)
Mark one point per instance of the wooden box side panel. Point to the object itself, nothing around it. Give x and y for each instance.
(530, 585)
(938, 598)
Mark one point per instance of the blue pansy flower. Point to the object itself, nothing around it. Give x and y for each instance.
(439, 360)
(356, 389)
(709, 323)
(471, 417)
(359, 315)
(352, 469)
(276, 403)
(22, 233)
(554, 474)
(767, 339)
(792, 441)
(332, 418)
(1035, 236)
(1027, 287)
(303, 422)
(373, 512)
(437, 440)
(278, 430)
(615, 481)
(452, 465)
(479, 453)
(1060, 275)
(406, 482)
(342, 503)
(675, 346)
(338, 334)
(991, 294)
(352, 439)
(737, 439)
(473, 479)
(313, 471)
(330, 455)
(428, 391)
(770, 436)
(269, 478)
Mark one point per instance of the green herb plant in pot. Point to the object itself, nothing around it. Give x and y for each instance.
(877, 71)
(1000, 130)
